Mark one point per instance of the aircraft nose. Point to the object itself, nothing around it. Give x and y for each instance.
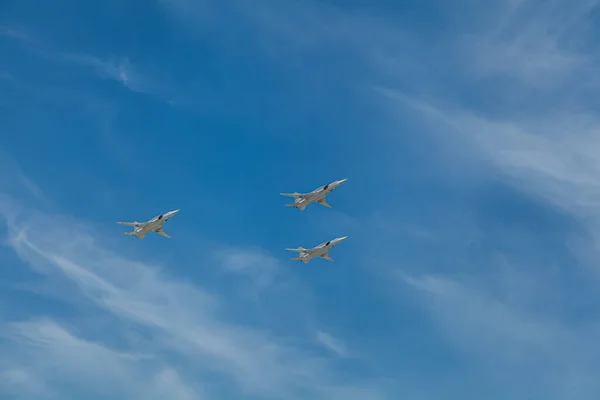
(342, 181)
(342, 239)
(174, 212)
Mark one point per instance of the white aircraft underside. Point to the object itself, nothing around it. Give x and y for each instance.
(140, 229)
(322, 251)
(302, 200)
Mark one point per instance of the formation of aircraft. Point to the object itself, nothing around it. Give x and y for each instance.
(301, 200)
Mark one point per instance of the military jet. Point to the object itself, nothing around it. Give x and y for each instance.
(140, 229)
(322, 250)
(301, 200)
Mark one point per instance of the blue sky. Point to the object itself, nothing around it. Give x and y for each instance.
(468, 132)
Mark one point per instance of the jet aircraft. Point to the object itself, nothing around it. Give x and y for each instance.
(322, 250)
(140, 229)
(301, 200)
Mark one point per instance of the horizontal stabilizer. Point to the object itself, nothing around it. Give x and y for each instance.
(300, 206)
(294, 195)
(129, 223)
(133, 233)
(303, 259)
(298, 250)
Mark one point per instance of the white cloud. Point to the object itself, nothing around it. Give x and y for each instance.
(58, 358)
(181, 319)
(255, 263)
(19, 381)
(553, 157)
(168, 384)
(550, 155)
(331, 343)
(117, 69)
(531, 41)
(528, 40)
(540, 45)
(16, 34)
(308, 26)
(525, 351)
(536, 335)
(17, 179)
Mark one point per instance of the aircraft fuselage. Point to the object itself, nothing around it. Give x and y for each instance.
(321, 250)
(154, 225)
(316, 196)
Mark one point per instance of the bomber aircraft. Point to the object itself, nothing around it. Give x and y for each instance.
(140, 229)
(322, 250)
(301, 200)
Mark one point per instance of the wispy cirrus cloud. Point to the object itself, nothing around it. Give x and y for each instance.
(332, 343)
(17, 180)
(539, 45)
(16, 34)
(539, 355)
(526, 122)
(305, 26)
(551, 155)
(118, 69)
(50, 356)
(542, 140)
(176, 323)
(532, 42)
(254, 263)
(16, 381)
